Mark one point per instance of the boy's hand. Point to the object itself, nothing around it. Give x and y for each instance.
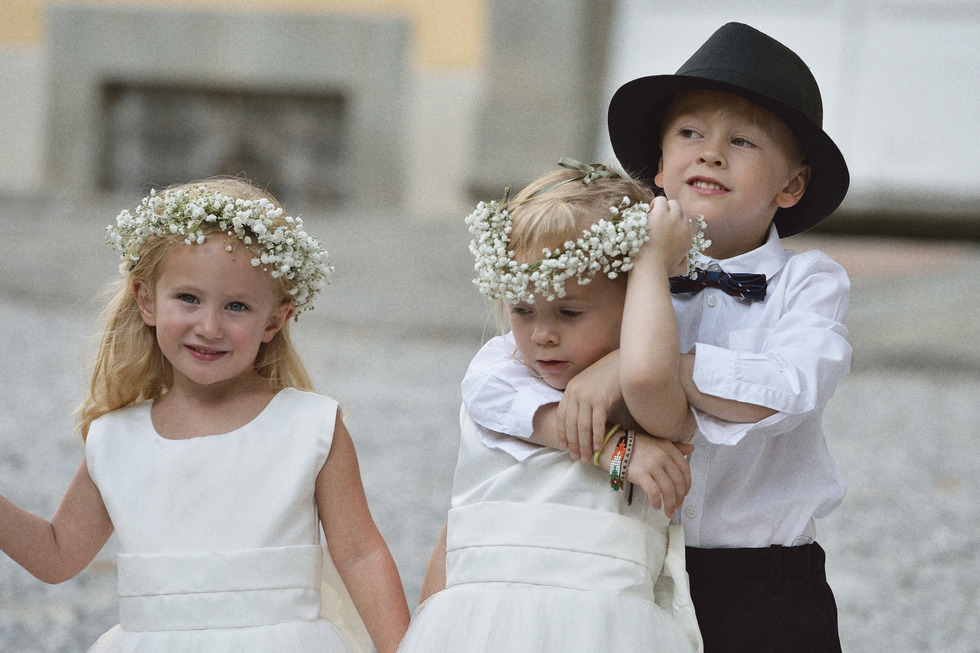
(670, 238)
(585, 405)
(659, 467)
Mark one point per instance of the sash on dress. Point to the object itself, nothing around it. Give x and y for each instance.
(540, 543)
(225, 589)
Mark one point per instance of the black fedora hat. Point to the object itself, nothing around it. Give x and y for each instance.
(743, 61)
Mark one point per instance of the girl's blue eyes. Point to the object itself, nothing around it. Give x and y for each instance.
(235, 307)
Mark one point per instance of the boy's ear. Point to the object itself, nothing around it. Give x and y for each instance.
(793, 191)
(658, 178)
(144, 301)
(278, 320)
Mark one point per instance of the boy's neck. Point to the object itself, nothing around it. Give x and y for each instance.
(722, 251)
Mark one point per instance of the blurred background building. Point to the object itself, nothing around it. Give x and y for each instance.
(425, 104)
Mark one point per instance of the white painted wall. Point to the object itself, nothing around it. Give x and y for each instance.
(900, 80)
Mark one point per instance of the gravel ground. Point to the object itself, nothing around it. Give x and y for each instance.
(391, 339)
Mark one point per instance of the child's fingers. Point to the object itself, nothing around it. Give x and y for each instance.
(560, 424)
(584, 426)
(568, 425)
(684, 448)
(598, 429)
(679, 471)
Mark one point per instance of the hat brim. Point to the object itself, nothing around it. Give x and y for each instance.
(635, 120)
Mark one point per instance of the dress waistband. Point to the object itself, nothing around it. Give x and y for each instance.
(554, 545)
(225, 589)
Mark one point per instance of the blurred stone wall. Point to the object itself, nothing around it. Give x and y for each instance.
(152, 96)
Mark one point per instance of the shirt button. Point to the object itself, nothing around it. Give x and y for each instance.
(690, 512)
(712, 301)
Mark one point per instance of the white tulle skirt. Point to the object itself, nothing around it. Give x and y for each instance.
(541, 578)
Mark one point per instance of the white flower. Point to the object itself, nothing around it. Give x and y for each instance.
(286, 249)
(608, 247)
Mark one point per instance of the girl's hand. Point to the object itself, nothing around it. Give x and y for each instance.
(585, 405)
(659, 467)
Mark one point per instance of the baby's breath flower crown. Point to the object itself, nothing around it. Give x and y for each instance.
(277, 242)
(607, 247)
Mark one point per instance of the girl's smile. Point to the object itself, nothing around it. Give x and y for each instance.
(205, 354)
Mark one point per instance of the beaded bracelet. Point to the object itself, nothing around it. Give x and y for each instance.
(595, 456)
(616, 466)
(624, 466)
(630, 438)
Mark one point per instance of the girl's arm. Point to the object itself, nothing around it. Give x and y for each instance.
(57, 550)
(435, 573)
(358, 550)
(649, 347)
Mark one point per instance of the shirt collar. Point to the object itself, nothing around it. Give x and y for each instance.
(767, 259)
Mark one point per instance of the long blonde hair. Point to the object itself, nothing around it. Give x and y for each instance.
(129, 365)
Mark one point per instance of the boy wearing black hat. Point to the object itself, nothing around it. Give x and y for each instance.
(735, 135)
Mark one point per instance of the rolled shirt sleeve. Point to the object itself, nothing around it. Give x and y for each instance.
(502, 396)
(787, 354)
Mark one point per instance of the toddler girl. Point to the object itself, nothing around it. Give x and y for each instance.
(208, 453)
(541, 553)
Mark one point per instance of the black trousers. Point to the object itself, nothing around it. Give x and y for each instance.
(773, 600)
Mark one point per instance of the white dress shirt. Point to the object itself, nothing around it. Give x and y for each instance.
(754, 485)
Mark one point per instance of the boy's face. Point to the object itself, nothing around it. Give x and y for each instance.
(560, 338)
(733, 162)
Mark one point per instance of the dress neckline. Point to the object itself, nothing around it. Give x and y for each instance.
(211, 436)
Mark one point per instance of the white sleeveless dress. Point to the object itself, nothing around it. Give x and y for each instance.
(219, 535)
(543, 556)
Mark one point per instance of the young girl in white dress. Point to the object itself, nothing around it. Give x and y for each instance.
(207, 452)
(542, 553)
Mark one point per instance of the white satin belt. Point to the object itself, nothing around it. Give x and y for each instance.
(554, 545)
(226, 589)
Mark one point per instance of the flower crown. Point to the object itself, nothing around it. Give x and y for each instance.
(607, 247)
(283, 249)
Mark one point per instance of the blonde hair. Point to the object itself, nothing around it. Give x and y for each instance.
(558, 207)
(130, 367)
(543, 217)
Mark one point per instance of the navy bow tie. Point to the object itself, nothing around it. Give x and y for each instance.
(745, 285)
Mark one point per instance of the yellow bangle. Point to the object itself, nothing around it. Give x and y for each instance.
(595, 456)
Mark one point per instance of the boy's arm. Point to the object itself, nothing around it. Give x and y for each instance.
(779, 373)
(649, 344)
(583, 412)
(658, 466)
(501, 396)
(728, 410)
